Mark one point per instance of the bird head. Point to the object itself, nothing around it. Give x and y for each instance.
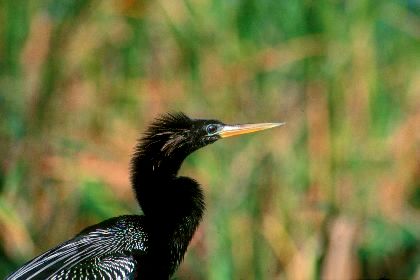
(176, 135)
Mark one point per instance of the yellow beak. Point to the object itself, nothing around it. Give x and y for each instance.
(234, 130)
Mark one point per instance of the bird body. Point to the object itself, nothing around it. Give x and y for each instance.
(150, 246)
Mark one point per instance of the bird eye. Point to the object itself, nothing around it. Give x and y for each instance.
(211, 129)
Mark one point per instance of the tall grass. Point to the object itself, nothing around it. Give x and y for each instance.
(332, 195)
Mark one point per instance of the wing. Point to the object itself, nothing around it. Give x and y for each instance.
(107, 248)
(111, 267)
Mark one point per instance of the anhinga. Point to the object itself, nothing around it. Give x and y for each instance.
(150, 246)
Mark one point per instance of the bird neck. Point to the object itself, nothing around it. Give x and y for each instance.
(172, 205)
(163, 195)
(152, 167)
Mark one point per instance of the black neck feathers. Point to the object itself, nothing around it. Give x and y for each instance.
(172, 205)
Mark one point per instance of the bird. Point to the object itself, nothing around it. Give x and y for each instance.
(151, 245)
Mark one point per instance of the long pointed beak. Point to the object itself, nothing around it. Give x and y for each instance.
(234, 130)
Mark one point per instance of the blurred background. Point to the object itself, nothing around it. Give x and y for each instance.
(334, 194)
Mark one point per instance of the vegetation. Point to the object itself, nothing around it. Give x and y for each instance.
(334, 194)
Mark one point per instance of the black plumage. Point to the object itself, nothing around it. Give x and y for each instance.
(150, 246)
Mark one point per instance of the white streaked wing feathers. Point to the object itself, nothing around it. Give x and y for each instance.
(84, 249)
